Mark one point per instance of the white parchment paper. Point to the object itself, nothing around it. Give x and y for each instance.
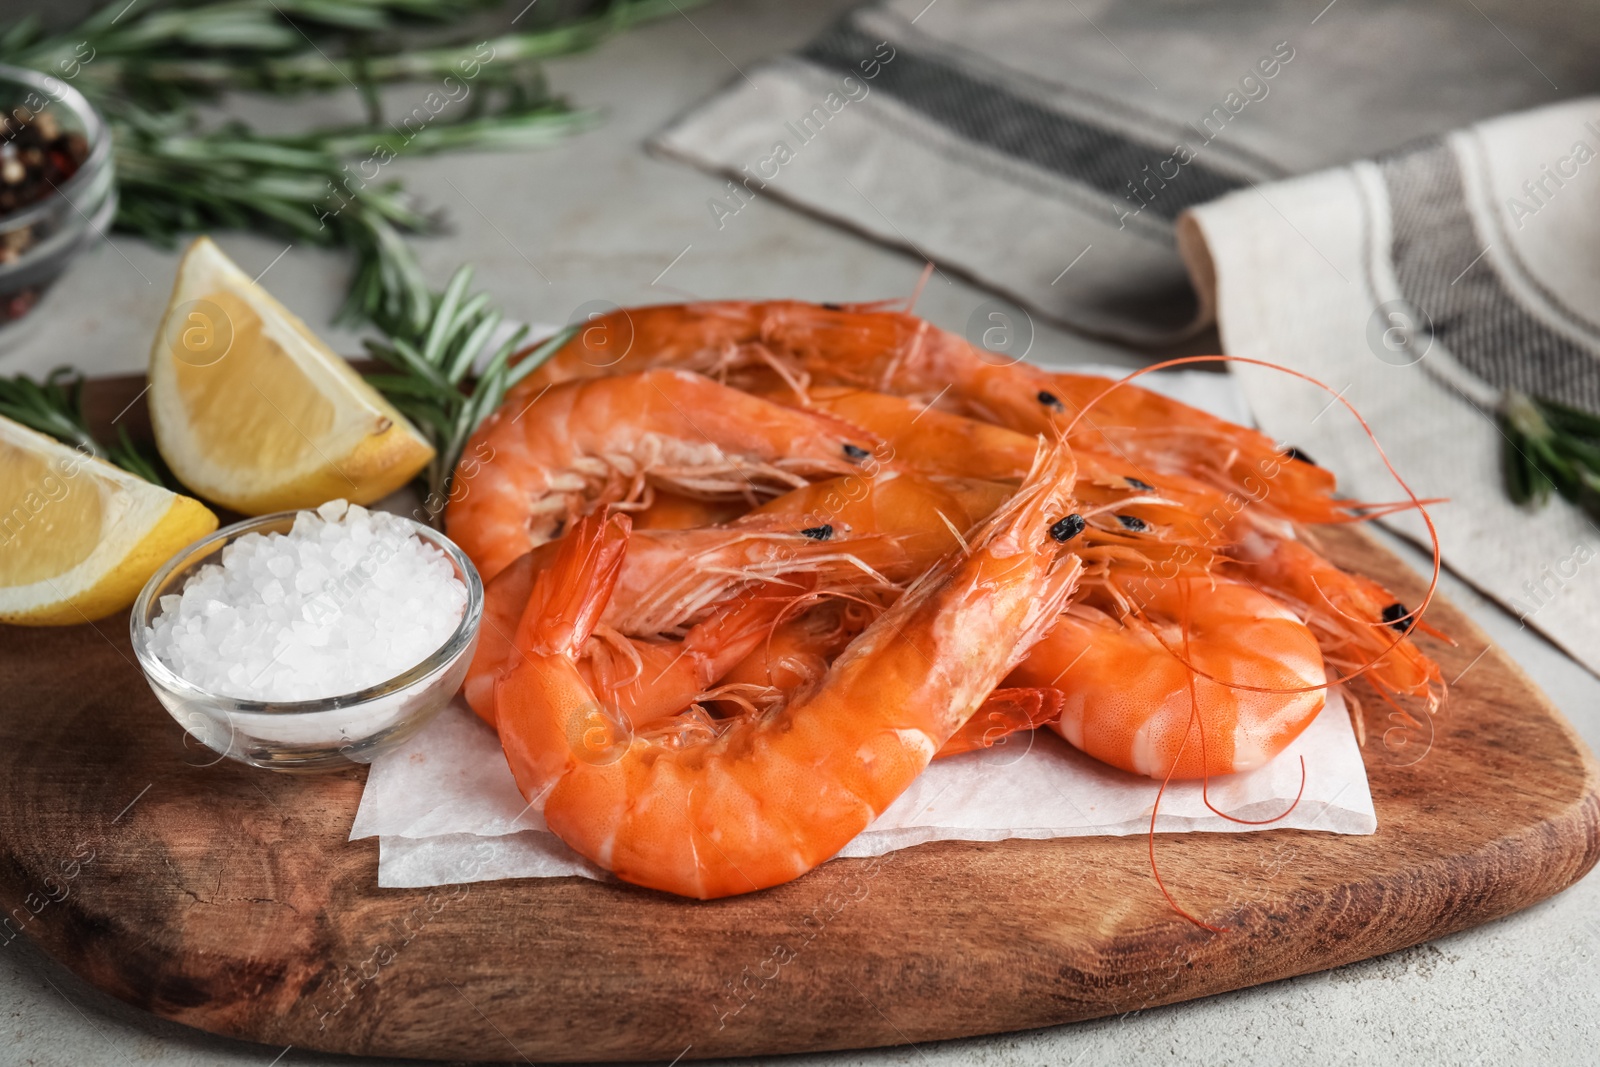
(445, 809)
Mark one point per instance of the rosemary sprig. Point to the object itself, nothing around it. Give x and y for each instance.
(1549, 446)
(169, 52)
(432, 364)
(175, 180)
(147, 66)
(55, 407)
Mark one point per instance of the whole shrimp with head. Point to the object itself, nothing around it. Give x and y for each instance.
(761, 345)
(561, 452)
(1157, 483)
(709, 813)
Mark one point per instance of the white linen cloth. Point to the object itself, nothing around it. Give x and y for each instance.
(1418, 286)
(1045, 148)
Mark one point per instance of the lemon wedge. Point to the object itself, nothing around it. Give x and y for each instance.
(79, 537)
(252, 410)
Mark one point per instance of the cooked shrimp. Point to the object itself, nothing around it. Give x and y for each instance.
(1362, 628)
(904, 521)
(1132, 697)
(640, 678)
(672, 583)
(767, 799)
(604, 441)
(870, 347)
(1113, 491)
(848, 359)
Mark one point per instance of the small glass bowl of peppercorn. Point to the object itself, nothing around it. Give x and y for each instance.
(57, 196)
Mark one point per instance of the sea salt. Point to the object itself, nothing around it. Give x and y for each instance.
(347, 599)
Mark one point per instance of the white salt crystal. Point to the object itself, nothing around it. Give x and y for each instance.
(347, 599)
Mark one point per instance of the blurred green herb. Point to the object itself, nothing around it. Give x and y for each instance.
(433, 365)
(1550, 446)
(149, 66)
(55, 407)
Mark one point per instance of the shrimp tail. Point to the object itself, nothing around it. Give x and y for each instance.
(570, 595)
(545, 711)
(1006, 712)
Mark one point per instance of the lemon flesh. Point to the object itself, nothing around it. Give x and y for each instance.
(253, 411)
(79, 537)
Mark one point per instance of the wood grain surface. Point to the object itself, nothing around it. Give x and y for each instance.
(229, 899)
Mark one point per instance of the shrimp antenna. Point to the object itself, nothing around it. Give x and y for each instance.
(1195, 723)
(922, 282)
(1205, 784)
(1415, 501)
(1205, 764)
(1155, 870)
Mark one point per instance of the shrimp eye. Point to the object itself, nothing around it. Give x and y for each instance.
(1294, 453)
(1395, 615)
(1051, 401)
(855, 452)
(834, 307)
(1066, 529)
(817, 533)
(1137, 484)
(1133, 522)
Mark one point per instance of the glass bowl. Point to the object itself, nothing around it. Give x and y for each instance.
(306, 735)
(39, 240)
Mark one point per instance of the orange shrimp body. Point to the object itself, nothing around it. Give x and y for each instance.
(1131, 700)
(671, 511)
(699, 585)
(903, 521)
(559, 453)
(952, 445)
(771, 797)
(870, 347)
(924, 436)
(1360, 625)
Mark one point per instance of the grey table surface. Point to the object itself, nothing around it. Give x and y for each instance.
(598, 218)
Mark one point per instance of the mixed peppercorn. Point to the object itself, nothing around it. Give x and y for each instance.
(36, 157)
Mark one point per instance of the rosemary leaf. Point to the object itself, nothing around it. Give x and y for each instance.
(1550, 447)
(55, 407)
(147, 66)
(429, 363)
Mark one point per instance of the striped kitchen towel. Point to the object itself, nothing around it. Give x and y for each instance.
(1044, 148)
(1422, 287)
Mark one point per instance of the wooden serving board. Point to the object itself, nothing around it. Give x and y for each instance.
(229, 899)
